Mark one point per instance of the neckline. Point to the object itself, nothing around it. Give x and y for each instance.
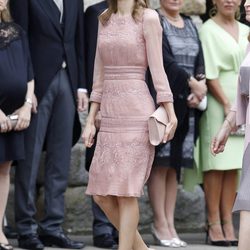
(233, 38)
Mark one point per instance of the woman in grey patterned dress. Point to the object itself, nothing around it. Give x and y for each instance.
(184, 65)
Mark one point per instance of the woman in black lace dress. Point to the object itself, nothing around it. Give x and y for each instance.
(16, 95)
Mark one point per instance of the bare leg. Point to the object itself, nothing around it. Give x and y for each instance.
(171, 193)
(4, 191)
(213, 189)
(157, 196)
(110, 206)
(227, 199)
(244, 239)
(129, 218)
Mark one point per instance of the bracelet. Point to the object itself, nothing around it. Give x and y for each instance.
(229, 123)
(29, 101)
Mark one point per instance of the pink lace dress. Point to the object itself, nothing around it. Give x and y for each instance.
(123, 156)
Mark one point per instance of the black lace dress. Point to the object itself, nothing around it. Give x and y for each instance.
(15, 72)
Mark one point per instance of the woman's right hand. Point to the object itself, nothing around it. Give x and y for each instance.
(89, 134)
(5, 124)
(198, 88)
(219, 141)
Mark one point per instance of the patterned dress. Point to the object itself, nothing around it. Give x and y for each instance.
(123, 156)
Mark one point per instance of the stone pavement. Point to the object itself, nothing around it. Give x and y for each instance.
(195, 242)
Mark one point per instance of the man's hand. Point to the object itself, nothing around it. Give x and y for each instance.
(82, 101)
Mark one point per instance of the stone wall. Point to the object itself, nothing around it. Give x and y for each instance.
(190, 215)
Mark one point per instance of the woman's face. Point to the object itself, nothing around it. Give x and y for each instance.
(247, 9)
(227, 7)
(3, 4)
(171, 5)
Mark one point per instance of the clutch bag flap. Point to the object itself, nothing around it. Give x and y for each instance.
(157, 125)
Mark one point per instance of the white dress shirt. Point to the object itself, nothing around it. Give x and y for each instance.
(59, 4)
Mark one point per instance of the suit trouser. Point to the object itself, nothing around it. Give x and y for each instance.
(101, 224)
(54, 121)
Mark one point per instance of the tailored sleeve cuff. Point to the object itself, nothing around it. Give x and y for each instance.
(164, 97)
(95, 97)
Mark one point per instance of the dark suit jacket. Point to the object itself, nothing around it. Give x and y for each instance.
(50, 42)
(91, 30)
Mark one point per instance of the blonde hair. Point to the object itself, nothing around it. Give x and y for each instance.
(139, 4)
(5, 14)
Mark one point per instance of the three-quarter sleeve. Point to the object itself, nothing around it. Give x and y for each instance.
(30, 73)
(153, 39)
(98, 76)
(213, 59)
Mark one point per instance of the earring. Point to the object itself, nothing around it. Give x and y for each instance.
(213, 11)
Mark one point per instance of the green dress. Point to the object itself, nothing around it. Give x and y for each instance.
(223, 56)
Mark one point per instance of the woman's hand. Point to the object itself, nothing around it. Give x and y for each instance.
(226, 107)
(219, 142)
(5, 124)
(198, 88)
(24, 116)
(192, 101)
(170, 129)
(89, 134)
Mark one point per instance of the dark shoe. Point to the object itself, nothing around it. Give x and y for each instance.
(105, 241)
(60, 240)
(30, 241)
(9, 232)
(4, 246)
(234, 243)
(219, 243)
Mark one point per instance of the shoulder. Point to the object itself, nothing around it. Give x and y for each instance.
(97, 8)
(244, 28)
(151, 20)
(150, 15)
(208, 29)
(207, 26)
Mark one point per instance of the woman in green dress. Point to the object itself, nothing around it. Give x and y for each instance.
(224, 42)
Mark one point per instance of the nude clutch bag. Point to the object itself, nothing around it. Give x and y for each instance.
(157, 125)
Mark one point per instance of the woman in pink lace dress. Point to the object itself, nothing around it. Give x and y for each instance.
(129, 40)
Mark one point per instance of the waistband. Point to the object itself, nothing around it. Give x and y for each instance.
(121, 125)
(124, 73)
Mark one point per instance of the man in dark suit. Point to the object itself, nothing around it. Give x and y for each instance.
(104, 234)
(55, 31)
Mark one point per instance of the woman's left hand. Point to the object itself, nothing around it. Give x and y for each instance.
(219, 141)
(170, 130)
(24, 116)
(192, 101)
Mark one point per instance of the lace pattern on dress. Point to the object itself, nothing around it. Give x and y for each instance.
(9, 32)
